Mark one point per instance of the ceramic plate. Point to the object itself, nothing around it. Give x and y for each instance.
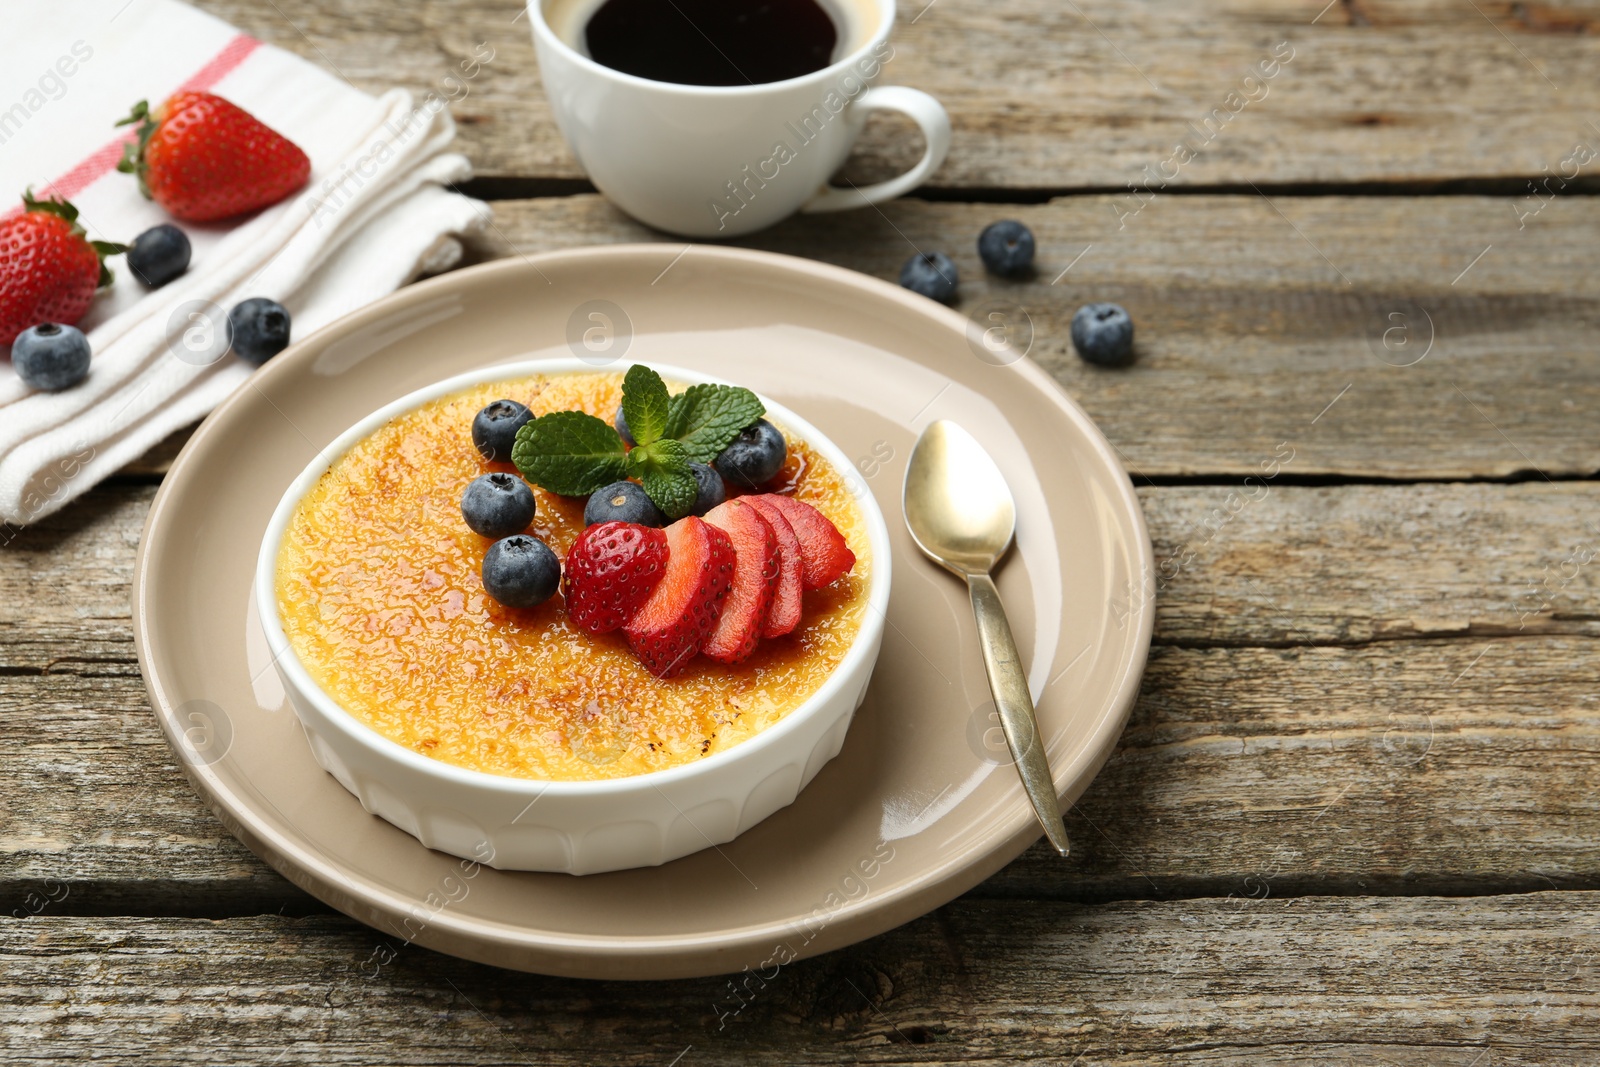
(920, 805)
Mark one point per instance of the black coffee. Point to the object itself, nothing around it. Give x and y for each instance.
(712, 42)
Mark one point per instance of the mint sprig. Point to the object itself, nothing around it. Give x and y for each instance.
(663, 470)
(706, 417)
(644, 404)
(569, 452)
(574, 453)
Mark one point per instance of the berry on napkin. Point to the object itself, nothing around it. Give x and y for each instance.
(203, 158)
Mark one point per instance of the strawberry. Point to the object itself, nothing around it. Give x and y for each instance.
(48, 269)
(612, 568)
(203, 158)
(824, 556)
(783, 615)
(682, 612)
(755, 578)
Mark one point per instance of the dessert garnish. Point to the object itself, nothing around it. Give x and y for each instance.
(727, 572)
(498, 504)
(521, 571)
(575, 453)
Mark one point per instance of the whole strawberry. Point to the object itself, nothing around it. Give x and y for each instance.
(49, 270)
(612, 568)
(203, 158)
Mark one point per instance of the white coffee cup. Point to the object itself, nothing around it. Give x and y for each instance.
(719, 161)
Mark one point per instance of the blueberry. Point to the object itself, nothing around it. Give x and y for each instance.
(621, 425)
(1103, 334)
(755, 456)
(622, 502)
(520, 571)
(258, 329)
(159, 255)
(494, 429)
(497, 505)
(51, 356)
(1006, 248)
(711, 489)
(931, 274)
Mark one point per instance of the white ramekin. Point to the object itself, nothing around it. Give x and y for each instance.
(576, 827)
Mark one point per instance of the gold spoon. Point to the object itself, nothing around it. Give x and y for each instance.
(961, 515)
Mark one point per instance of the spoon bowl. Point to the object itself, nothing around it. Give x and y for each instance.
(957, 504)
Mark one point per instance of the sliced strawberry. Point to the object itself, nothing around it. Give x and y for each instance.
(612, 568)
(670, 627)
(783, 615)
(755, 577)
(824, 556)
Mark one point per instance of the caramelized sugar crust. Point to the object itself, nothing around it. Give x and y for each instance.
(380, 595)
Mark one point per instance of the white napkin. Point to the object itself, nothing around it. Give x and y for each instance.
(374, 216)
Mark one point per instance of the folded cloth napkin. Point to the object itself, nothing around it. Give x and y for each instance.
(374, 215)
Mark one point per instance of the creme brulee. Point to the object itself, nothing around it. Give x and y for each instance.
(381, 597)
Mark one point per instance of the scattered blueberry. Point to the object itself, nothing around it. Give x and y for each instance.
(1006, 248)
(932, 274)
(494, 429)
(258, 329)
(497, 505)
(520, 571)
(712, 490)
(754, 457)
(1103, 334)
(622, 502)
(51, 356)
(159, 255)
(621, 425)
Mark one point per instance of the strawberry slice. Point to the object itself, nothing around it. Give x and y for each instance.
(755, 577)
(670, 627)
(612, 568)
(824, 556)
(783, 615)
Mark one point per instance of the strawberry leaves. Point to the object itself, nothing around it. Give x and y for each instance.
(65, 211)
(574, 453)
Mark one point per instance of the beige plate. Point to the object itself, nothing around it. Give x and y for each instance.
(921, 804)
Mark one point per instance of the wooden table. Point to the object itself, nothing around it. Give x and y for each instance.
(1353, 819)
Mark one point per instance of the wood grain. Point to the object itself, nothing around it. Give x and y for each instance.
(1044, 95)
(1261, 324)
(1251, 345)
(1507, 980)
(1335, 704)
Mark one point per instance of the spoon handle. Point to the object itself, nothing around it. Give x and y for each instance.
(1009, 684)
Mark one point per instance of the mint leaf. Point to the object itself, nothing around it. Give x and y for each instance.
(706, 417)
(644, 403)
(569, 452)
(662, 468)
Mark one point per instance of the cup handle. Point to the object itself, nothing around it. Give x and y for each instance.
(928, 114)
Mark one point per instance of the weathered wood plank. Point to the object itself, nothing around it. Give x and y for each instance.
(1251, 346)
(1346, 755)
(1262, 325)
(1052, 96)
(1432, 766)
(1459, 982)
